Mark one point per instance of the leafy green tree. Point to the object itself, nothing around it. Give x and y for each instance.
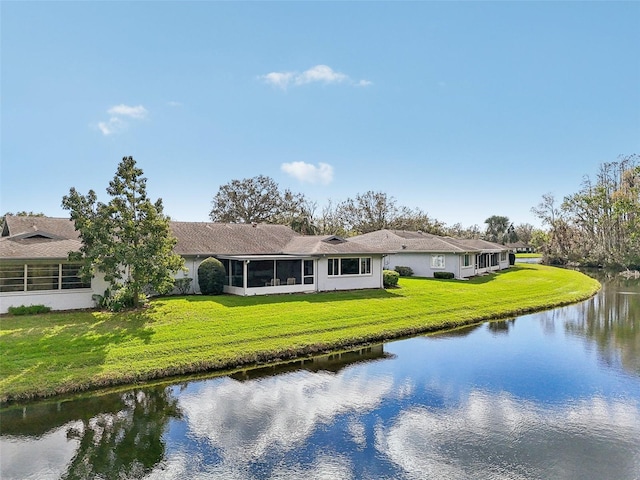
(499, 229)
(524, 231)
(211, 276)
(260, 200)
(459, 231)
(127, 239)
(368, 212)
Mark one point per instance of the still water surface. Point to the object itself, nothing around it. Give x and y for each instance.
(553, 395)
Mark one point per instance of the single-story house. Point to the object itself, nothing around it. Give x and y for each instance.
(262, 259)
(34, 265)
(259, 259)
(520, 247)
(426, 253)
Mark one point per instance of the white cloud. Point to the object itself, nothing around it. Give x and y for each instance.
(112, 126)
(116, 124)
(317, 74)
(279, 79)
(320, 73)
(491, 434)
(248, 420)
(126, 111)
(174, 103)
(306, 172)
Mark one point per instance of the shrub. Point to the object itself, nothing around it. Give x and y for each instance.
(116, 300)
(183, 285)
(211, 276)
(390, 278)
(29, 310)
(445, 275)
(404, 271)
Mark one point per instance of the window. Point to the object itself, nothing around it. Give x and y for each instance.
(349, 266)
(437, 261)
(227, 276)
(334, 266)
(289, 272)
(43, 276)
(465, 260)
(237, 273)
(12, 278)
(260, 273)
(365, 266)
(503, 256)
(308, 272)
(71, 278)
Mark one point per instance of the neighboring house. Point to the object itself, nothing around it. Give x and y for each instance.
(520, 247)
(34, 266)
(259, 259)
(426, 253)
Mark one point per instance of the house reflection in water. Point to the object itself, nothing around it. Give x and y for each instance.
(332, 362)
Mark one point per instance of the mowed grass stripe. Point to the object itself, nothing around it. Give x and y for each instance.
(57, 353)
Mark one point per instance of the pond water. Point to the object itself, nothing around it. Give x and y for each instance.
(553, 395)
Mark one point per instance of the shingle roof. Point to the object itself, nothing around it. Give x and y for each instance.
(328, 245)
(38, 237)
(399, 240)
(230, 239)
(479, 244)
(32, 248)
(25, 237)
(57, 227)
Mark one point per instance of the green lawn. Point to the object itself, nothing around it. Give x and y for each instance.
(57, 353)
(528, 255)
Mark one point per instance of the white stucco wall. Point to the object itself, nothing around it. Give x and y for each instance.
(420, 263)
(328, 283)
(55, 299)
(322, 281)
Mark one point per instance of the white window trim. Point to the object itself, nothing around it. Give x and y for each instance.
(433, 262)
(462, 257)
(340, 274)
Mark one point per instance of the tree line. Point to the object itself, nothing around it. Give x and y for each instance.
(260, 200)
(600, 224)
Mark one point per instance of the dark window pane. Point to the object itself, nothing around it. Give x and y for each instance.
(308, 267)
(237, 273)
(289, 272)
(225, 264)
(260, 273)
(349, 266)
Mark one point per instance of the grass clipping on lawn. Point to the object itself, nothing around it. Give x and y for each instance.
(57, 353)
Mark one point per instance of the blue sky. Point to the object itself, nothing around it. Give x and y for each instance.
(462, 109)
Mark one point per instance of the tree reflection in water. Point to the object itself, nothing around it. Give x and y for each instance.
(127, 443)
(117, 435)
(612, 320)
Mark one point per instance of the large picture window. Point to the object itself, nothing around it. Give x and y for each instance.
(349, 266)
(41, 276)
(465, 260)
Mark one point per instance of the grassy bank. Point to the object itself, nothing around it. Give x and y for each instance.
(56, 353)
(528, 255)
